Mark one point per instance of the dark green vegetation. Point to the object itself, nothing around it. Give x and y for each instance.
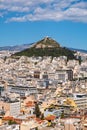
(11, 122)
(54, 52)
(37, 110)
(47, 47)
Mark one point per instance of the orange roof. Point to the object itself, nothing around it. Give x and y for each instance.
(30, 102)
(29, 105)
(22, 110)
(18, 121)
(76, 117)
(31, 117)
(50, 117)
(8, 118)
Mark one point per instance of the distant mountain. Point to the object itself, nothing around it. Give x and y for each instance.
(80, 50)
(46, 47)
(16, 48)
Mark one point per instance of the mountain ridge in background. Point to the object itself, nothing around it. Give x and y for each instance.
(18, 48)
(80, 50)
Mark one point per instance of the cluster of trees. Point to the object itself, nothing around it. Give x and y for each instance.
(37, 112)
(54, 52)
(11, 122)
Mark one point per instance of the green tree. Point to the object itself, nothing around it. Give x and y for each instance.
(62, 114)
(5, 58)
(80, 60)
(37, 110)
(10, 122)
(42, 116)
(36, 128)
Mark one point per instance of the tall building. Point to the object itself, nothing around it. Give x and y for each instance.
(70, 75)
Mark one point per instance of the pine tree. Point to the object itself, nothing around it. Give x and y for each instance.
(42, 116)
(37, 110)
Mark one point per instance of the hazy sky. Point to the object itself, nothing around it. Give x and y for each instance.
(27, 21)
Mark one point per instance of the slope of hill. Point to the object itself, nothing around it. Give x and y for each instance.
(47, 47)
(46, 43)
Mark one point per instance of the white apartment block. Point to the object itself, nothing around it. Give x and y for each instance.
(61, 75)
(15, 108)
(80, 100)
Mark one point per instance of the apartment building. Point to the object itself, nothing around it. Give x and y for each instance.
(23, 90)
(80, 100)
(61, 75)
(10, 108)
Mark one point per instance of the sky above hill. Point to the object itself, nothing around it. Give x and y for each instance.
(27, 21)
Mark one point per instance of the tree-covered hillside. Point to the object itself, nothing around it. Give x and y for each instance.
(47, 47)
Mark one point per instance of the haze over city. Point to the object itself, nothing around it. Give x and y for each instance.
(28, 21)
